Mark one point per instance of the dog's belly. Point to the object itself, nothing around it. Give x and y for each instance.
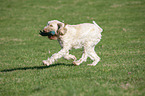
(77, 44)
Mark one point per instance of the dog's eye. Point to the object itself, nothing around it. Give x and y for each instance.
(51, 25)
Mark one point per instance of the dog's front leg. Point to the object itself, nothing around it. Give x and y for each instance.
(68, 56)
(56, 56)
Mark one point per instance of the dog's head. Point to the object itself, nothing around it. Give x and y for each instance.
(56, 27)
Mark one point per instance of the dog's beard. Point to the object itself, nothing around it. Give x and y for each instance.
(52, 37)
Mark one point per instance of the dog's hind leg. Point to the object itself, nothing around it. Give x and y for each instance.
(82, 59)
(92, 54)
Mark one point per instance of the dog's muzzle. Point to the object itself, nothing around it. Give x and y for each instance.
(51, 34)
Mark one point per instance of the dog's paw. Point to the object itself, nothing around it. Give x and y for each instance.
(76, 63)
(74, 58)
(45, 62)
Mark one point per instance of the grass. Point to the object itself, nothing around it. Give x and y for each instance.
(120, 72)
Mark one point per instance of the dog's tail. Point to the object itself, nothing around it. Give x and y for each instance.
(100, 29)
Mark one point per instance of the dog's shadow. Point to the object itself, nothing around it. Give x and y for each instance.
(35, 67)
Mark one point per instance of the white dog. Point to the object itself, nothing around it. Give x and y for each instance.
(84, 35)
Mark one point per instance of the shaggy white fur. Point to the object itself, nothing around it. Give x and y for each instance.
(84, 35)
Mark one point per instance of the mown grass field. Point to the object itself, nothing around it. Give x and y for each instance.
(121, 71)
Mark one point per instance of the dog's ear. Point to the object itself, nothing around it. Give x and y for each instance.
(60, 25)
(61, 28)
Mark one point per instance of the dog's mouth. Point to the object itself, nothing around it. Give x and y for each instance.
(52, 37)
(51, 34)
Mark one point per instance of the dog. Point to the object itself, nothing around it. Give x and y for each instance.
(84, 35)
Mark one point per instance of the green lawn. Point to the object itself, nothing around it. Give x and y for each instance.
(121, 71)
